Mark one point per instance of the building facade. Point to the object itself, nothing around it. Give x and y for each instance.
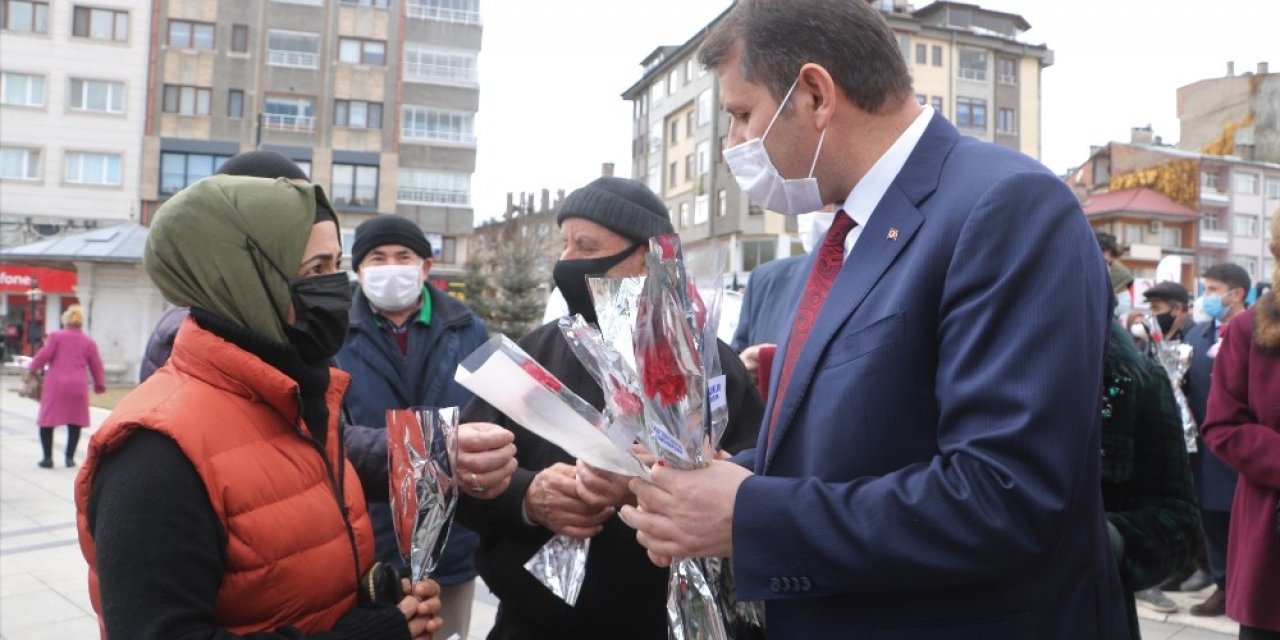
(965, 61)
(73, 88)
(1236, 114)
(375, 100)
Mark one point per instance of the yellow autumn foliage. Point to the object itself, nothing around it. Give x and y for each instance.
(1179, 180)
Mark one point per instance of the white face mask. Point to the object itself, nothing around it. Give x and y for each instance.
(751, 167)
(392, 287)
(812, 227)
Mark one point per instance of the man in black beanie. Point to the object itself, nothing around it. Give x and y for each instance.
(404, 342)
(605, 227)
(257, 164)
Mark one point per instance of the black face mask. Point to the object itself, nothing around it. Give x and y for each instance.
(571, 279)
(1165, 320)
(321, 308)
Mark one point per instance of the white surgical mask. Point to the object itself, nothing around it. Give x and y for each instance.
(759, 178)
(392, 287)
(812, 227)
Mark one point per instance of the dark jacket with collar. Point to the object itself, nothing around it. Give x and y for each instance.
(1215, 481)
(765, 308)
(382, 378)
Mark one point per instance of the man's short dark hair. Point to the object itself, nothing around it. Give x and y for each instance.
(1107, 242)
(1233, 275)
(848, 38)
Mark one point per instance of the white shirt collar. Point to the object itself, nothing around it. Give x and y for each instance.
(866, 195)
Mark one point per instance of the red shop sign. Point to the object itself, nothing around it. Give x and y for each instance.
(18, 279)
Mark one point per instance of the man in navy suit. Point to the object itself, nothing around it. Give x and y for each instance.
(928, 466)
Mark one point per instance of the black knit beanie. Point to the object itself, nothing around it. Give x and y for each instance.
(388, 229)
(624, 206)
(269, 164)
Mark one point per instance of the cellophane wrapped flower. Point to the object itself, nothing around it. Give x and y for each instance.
(421, 447)
(1175, 357)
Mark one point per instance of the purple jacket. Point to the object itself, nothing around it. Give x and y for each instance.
(65, 395)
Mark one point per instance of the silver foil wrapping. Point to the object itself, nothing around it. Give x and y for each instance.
(421, 448)
(561, 565)
(1175, 357)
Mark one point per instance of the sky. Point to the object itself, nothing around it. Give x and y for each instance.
(552, 73)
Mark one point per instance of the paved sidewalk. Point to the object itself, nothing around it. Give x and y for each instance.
(43, 589)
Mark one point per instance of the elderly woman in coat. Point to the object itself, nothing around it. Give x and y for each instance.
(64, 398)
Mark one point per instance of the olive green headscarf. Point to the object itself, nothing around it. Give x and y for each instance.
(214, 244)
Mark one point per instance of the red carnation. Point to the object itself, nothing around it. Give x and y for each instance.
(543, 376)
(662, 376)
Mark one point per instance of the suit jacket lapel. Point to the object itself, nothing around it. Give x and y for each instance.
(888, 232)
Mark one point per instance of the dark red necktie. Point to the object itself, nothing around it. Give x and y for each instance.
(825, 269)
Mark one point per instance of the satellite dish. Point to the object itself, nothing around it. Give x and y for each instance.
(1169, 269)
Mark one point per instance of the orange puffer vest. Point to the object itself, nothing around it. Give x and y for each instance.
(295, 550)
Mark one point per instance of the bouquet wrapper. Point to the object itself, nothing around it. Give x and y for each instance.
(421, 447)
(624, 411)
(1175, 357)
(561, 565)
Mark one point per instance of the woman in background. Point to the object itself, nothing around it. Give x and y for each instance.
(64, 398)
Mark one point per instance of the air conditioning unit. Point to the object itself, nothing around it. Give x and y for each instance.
(1156, 226)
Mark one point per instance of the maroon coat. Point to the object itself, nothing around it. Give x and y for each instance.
(65, 396)
(1242, 426)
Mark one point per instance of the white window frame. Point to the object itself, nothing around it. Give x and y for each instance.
(455, 11)
(973, 74)
(119, 32)
(1012, 128)
(1272, 190)
(1244, 225)
(347, 193)
(77, 159)
(304, 120)
(31, 161)
(361, 50)
(1244, 183)
(34, 96)
(436, 188)
(115, 93)
(192, 43)
(435, 65)
(294, 58)
(409, 131)
(39, 18)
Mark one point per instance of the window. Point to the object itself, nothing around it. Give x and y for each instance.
(688, 167)
(289, 114)
(684, 214)
(235, 103)
(656, 91)
(100, 24)
(936, 103)
(354, 185)
(21, 89)
(757, 252)
(1248, 263)
(688, 70)
(1006, 121)
(973, 64)
(673, 174)
(688, 124)
(1133, 233)
(418, 186)
(459, 11)
(1209, 181)
(1210, 222)
(101, 169)
(448, 252)
(380, 4)
(1006, 71)
(187, 101)
(705, 109)
(19, 163)
(703, 153)
(293, 49)
(1273, 191)
(722, 203)
(180, 170)
(922, 54)
(904, 43)
(437, 125)
(96, 95)
(239, 38)
(354, 51)
(1245, 183)
(192, 35)
(673, 81)
(357, 114)
(1246, 226)
(675, 132)
(26, 17)
(425, 64)
(701, 209)
(937, 56)
(921, 98)
(1170, 236)
(971, 113)
(305, 165)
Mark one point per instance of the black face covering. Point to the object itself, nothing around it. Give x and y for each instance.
(321, 305)
(571, 279)
(1165, 320)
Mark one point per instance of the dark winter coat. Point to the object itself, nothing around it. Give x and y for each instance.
(1215, 481)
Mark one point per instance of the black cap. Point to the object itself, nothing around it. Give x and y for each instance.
(1168, 291)
(388, 229)
(624, 206)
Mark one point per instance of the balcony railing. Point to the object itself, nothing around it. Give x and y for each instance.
(424, 135)
(1215, 237)
(425, 195)
(442, 14)
(296, 59)
(425, 72)
(1211, 194)
(979, 75)
(284, 122)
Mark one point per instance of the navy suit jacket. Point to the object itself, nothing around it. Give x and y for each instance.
(1215, 481)
(935, 467)
(765, 314)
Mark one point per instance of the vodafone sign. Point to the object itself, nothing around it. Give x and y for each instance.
(18, 279)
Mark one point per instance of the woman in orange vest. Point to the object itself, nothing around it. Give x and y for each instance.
(216, 501)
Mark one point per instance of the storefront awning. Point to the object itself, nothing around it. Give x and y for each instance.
(120, 243)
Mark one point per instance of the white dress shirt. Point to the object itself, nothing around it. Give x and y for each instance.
(866, 195)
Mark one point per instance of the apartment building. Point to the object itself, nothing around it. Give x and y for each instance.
(1235, 114)
(966, 61)
(374, 99)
